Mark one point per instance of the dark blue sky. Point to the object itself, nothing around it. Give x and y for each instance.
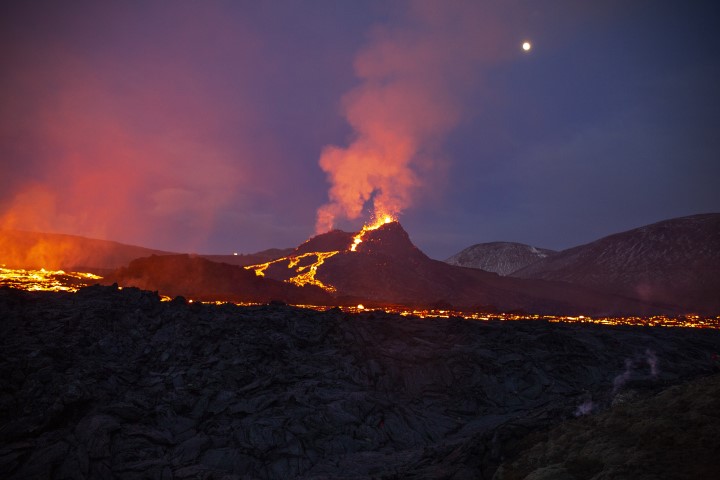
(199, 126)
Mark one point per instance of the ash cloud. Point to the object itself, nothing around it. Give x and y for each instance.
(164, 125)
(412, 80)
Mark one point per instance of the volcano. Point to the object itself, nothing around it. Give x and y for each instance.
(378, 266)
(386, 268)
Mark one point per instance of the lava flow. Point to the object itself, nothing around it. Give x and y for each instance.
(305, 273)
(45, 280)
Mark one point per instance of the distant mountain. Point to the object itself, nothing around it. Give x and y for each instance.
(388, 269)
(675, 262)
(21, 249)
(502, 258)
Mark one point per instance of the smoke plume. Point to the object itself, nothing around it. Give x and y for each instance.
(650, 358)
(411, 79)
(652, 362)
(620, 380)
(584, 408)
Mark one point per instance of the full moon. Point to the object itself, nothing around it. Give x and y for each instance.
(526, 46)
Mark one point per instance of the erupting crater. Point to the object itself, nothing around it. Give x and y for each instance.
(301, 266)
(381, 220)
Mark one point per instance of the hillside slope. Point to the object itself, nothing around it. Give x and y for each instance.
(197, 278)
(21, 249)
(675, 262)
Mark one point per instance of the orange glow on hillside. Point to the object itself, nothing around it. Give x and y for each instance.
(45, 280)
(305, 273)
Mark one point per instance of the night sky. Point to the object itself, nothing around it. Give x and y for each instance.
(226, 126)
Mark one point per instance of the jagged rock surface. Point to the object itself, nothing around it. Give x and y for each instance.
(110, 383)
(502, 258)
(672, 434)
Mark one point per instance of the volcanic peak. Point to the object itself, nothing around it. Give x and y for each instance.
(389, 239)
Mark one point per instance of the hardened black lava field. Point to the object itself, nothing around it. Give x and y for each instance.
(114, 383)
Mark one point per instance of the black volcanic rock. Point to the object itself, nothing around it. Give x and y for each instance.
(674, 262)
(502, 258)
(647, 437)
(110, 383)
(200, 279)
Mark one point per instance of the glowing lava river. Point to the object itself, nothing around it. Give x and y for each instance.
(45, 280)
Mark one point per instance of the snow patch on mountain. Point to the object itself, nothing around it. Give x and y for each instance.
(502, 258)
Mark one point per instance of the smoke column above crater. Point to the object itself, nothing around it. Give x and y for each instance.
(411, 80)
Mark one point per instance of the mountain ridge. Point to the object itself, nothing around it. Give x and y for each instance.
(675, 261)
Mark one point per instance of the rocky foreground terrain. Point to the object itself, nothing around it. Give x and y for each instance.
(671, 435)
(113, 383)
